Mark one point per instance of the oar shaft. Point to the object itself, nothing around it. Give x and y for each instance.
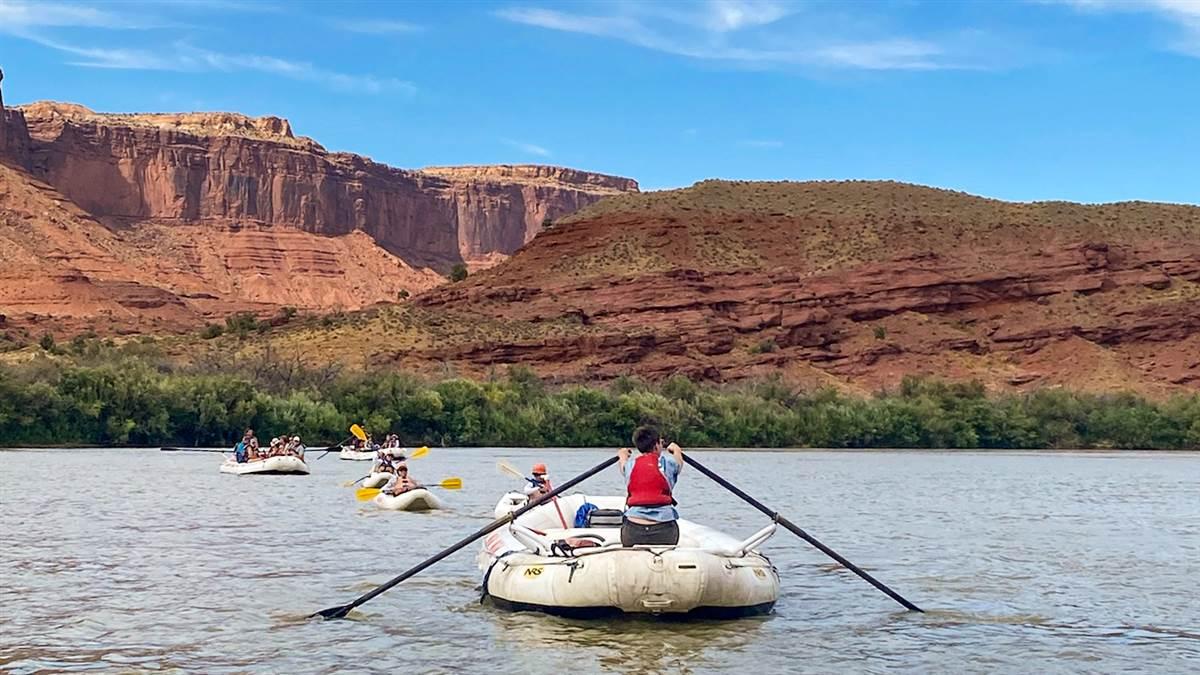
(334, 447)
(339, 612)
(796, 530)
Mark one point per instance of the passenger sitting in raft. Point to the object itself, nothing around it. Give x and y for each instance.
(400, 482)
(539, 485)
(386, 460)
(253, 451)
(241, 451)
(295, 448)
(650, 514)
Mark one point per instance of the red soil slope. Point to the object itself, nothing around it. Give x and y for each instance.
(858, 283)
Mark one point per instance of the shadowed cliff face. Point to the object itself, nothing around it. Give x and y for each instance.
(233, 171)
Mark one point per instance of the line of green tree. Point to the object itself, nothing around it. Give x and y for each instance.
(105, 395)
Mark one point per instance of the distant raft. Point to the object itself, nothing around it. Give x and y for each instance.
(419, 499)
(285, 464)
(356, 455)
(536, 565)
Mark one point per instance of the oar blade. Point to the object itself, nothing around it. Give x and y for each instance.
(509, 469)
(365, 494)
(358, 432)
(332, 613)
(454, 483)
(419, 452)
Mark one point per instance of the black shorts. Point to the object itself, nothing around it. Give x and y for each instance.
(658, 534)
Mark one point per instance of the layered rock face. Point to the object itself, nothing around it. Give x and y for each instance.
(14, 136)
(727, 281)
(233, 171)
(212, 213)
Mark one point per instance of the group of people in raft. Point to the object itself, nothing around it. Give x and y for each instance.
(650, 515)
(248, 449)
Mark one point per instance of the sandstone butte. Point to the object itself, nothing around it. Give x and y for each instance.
(161, 222)
(850, 284)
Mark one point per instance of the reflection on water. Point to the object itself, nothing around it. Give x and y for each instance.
(1026, 561)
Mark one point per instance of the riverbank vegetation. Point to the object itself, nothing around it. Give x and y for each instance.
(105, 395)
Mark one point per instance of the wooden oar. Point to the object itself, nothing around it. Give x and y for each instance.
(418, 453)
(341, 611)
(511, 470)
(794, 529)
(452, 483)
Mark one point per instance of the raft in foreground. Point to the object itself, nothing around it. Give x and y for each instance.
(419, 499)
(269, 466)
(708, 575)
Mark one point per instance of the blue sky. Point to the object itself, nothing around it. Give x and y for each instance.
(1087, 100)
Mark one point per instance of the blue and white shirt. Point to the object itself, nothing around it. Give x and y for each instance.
(659, 514)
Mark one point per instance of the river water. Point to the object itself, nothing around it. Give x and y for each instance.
(137, 560)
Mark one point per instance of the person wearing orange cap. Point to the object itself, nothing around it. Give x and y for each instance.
(539, 485)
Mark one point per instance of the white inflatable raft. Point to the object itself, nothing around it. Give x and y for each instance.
(709, 574)
(419, 499)
(377, 479)
(270, 465)
(356, 455)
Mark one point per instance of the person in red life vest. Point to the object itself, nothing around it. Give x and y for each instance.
(650, 514)
(539, 485)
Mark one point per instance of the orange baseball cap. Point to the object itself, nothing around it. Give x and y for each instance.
(539, 469)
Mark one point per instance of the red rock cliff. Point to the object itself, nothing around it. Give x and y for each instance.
(14, 137)
(230, 170)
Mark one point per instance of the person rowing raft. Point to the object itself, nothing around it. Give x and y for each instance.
(650, 513)
(539, 484)
(400, 482)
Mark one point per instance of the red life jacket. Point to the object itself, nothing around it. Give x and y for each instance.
(647, 485)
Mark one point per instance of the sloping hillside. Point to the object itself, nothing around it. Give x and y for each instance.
(855, 283)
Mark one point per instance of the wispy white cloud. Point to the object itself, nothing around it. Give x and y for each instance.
(527, 148)
(17, 16)
(378, 26)
(183, 57)
(1184, 14)
(37, 22)
(761, 144)
(760, 34)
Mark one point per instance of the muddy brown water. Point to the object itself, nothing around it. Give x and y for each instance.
(137, 560)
